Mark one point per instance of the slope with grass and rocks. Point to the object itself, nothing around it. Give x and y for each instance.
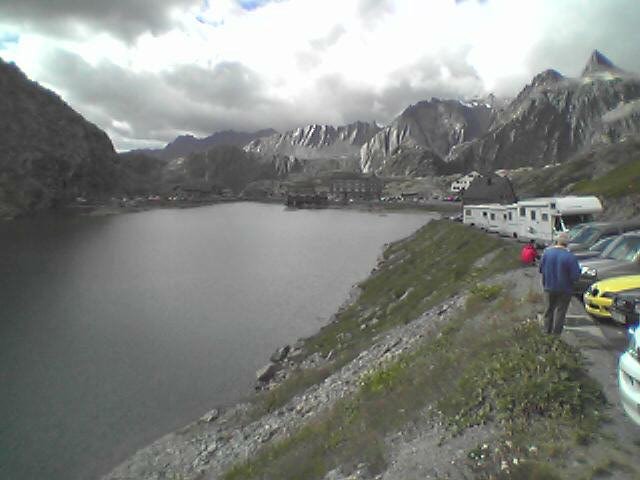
(435, 369)
(611, 172)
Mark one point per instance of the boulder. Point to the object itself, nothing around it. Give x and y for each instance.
(266, 373)
(210, 416)
(280, 354)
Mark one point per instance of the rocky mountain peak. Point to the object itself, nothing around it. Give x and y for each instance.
(550, 124)
(547, 77)
(598, 63)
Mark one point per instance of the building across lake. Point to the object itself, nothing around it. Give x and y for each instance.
(354, 186)
(335, 187)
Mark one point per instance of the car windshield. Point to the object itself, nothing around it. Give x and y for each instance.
(601, 244)
(626, 249)
(572, 221)
(585, 235)
(574, 231)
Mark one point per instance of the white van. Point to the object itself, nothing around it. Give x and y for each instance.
(541, 219)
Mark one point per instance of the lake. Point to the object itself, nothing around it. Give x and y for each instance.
(115, 330)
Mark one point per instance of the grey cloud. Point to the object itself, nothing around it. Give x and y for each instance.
(372, 11)
(161, 106)
(411, 84)
(573, 33)
(229, 84)
(308, 59)
(622, 112)
(123, 18)
(330, 39)
(197, 100)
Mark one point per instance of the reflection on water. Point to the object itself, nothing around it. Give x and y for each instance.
(116, 330)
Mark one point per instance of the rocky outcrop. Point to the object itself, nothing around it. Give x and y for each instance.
(555, 117)
(419, 139)
(49, 153)
(316, 142)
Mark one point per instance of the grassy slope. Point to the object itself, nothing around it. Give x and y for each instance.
(416, 274)
(622, 180)
(610, 171)
(488, 364)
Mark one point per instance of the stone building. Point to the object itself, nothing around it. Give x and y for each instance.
(354, 186)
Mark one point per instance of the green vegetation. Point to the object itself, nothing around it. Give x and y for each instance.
(605, 170)
(489, 363)
(621, 181)
(486, 364)
(415, 274)
(486, 292)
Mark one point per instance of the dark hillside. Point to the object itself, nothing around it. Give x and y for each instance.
(49, 154)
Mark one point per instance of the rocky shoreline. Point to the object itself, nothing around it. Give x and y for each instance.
(206, 448)
(209, 446)
(430, 445)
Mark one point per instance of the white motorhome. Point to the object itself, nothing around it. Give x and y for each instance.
(511, 227)
(476, 215)
(541, 219)
(497, 218)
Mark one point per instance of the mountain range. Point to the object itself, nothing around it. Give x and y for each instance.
(49, 154)
(556, 117)
(552, 119)
(187, 144)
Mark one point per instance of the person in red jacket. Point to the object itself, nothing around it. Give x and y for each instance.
(529, 254)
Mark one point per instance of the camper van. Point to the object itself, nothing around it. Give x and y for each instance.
(476, 215)
(541, 219)
(511, 227)
(497, 218)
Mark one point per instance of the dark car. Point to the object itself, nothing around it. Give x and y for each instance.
(592, 232)
(596, 249)
(626, 307)
(621, 257)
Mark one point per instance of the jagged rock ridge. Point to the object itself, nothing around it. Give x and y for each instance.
(418, 140)
(48, 152)
(556, 117)
(316, 142)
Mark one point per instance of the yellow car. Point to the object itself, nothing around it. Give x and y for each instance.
(599, 296)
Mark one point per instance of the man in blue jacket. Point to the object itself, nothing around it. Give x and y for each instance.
(560, 269)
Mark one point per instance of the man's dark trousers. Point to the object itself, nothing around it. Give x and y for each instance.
(557, 305)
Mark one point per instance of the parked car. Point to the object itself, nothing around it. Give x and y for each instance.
(574, 231)
(629, 377)
(625, 307)
(621, 257)
(598, 298)
(591, 232)
(596, 249)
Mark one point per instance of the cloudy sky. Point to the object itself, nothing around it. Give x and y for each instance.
(148, 70)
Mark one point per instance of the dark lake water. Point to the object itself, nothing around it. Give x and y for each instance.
(116, 330)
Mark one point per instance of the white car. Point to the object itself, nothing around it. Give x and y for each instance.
(629, 376)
